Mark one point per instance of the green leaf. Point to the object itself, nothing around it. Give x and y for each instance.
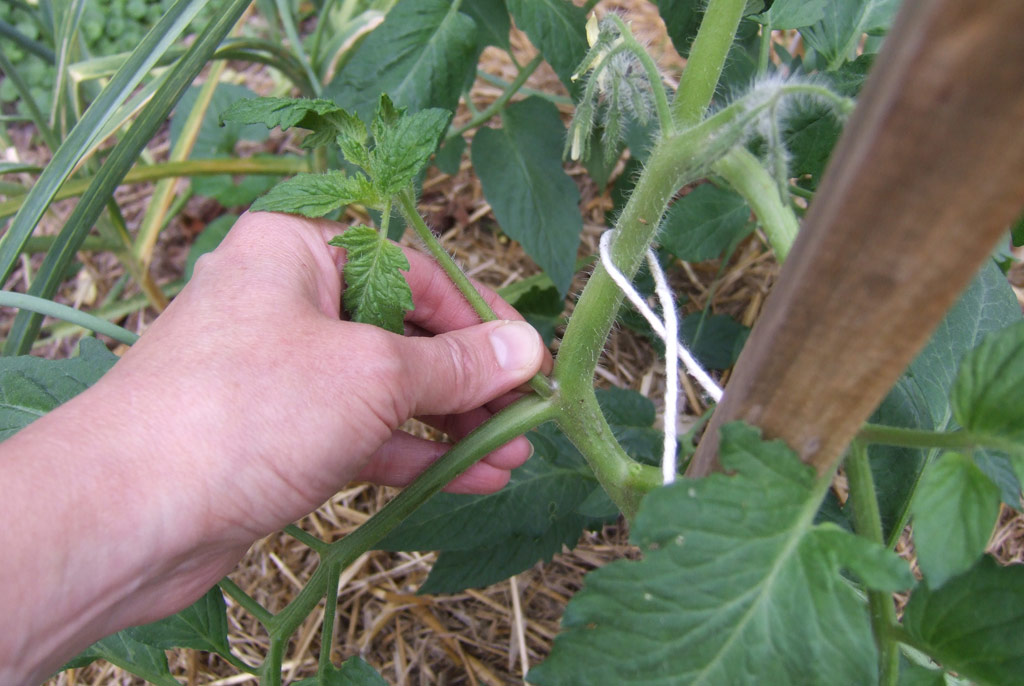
(491, 17)
(449, 157)
(325, 119)
(682, 19)
(793, 14)
(421, 56)
(534, 200)
(354, 672)
(542, 308)
(987, 393)
(484, 539)
(403, 149)
(704, 222)
(130, 655)
(955, 509)
(736, 586)
(558, 29)
(837, 35)
(920, 398)
(200, 626)
(715, 340)
(917, 675)
(1017, 231)
(973, 625)
(208, 240)
(375, 290)
(32, 386)
(314, 195)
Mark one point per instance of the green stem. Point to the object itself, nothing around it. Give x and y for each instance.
(747, 177)
(707, 57)
(324, 665)
(273, 166)
(653, 76)
(248, 603)
(271, 671)
(407, 201)
(922, 438)
(502, 83)
(867, 522)
(307, 539)
(515, 420)
(385, 220)
(625, 480)
(495, 107)
(764, 54)
(69, 314)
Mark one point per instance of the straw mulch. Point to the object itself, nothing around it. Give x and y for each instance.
(485, 636)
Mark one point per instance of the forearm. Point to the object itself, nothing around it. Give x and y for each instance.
(86, 516)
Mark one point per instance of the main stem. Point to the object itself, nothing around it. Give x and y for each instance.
(707, 57)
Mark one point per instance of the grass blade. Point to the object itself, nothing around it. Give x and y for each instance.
(26, 325)
(81, 137)
(42, 306)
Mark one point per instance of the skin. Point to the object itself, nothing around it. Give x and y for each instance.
(245, 406)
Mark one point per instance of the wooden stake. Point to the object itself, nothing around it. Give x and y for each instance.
(926, 178)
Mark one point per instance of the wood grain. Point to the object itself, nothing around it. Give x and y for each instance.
(926, 177)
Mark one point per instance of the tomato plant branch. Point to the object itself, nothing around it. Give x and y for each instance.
(306, 539)
(270, 672)
(922, 438)
(407, 203)
(495, 107)
(515, 420)
(248, 603)
(867, 522)
(324, 665)
(745, 174)
(707, 57)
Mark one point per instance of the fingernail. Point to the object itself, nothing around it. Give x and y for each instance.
(515, 345)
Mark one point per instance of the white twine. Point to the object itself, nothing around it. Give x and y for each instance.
(668, 331)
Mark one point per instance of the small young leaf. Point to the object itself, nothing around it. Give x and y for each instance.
(557, 28)
(314, 195)
(32, 386)
(403, 149)
(216, 138)
(728, 561)
(955, 509)
(703, 223)
(422, 56)
(973, 625)
(201, 626)
(324, 118)
(837, 36)
(535, 201)
(375, 290)
(354, 672)
(987, 394)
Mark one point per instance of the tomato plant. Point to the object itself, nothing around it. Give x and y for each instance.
(757, 574)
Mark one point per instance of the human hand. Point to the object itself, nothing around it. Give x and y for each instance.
(246, 405)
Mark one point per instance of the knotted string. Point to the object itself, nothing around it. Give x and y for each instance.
(668, 331)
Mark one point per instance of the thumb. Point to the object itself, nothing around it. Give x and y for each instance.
(463, 369)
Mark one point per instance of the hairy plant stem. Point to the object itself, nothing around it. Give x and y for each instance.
(747, 177)
(515, 420)
(407, 202)
(248, 603)
(675, 161)
(498, 105)
(707, 57)
(867, 522)
(922, 438)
